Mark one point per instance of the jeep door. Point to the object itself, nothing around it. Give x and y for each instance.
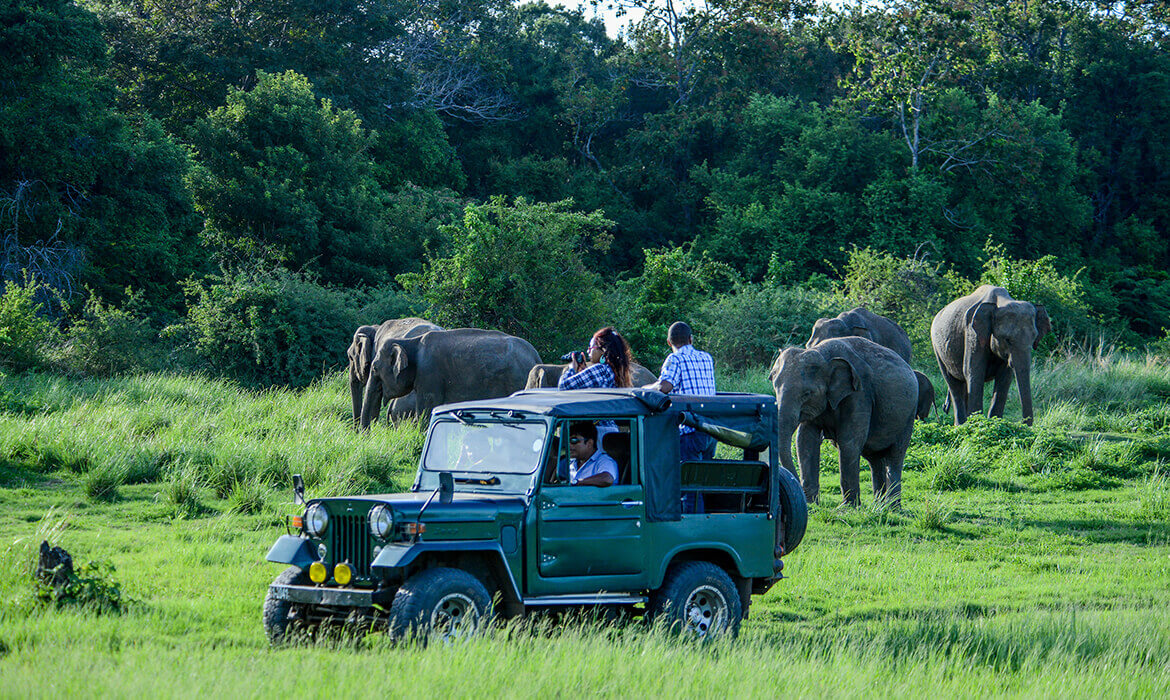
(590, 538)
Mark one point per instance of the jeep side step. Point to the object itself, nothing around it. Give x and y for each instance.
(586, 599)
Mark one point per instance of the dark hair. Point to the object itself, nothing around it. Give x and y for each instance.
(679, 333)
(584, 428)
(616, 352)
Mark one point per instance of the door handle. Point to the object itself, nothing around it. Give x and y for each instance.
(630, 504)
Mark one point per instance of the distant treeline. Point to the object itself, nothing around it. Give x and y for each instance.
(498, 164)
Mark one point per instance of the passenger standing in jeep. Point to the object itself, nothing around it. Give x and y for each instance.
(687, 371)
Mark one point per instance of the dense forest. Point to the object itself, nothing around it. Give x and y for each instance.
(235, 187)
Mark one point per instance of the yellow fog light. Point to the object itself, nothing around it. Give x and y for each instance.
(317, 572)
(342, 574)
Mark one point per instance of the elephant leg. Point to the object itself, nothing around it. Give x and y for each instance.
(850, 457)
(976, 378)
(356, 389)
(894, 478)
(999, 396)
(808, 454)
(956, 392)
(878, 472)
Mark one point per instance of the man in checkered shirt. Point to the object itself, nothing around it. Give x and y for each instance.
(688, 371)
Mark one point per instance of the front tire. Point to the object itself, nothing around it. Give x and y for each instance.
(697, 599)
(450, 603)
(280, 616)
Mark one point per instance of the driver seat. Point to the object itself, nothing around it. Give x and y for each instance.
(617, 445)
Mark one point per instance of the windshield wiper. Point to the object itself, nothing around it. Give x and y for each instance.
(462, 418)
(509, 419)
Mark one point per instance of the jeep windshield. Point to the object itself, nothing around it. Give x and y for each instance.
(485, 447)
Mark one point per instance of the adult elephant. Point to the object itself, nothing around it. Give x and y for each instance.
(446, 366)
(361, 355)
(863, 323)
(987, 336)
(856, 393)
(546, 376)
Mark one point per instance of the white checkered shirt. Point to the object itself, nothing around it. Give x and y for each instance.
(689, 371)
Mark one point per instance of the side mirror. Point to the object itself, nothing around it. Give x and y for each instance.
(446, 486)
(298, 490)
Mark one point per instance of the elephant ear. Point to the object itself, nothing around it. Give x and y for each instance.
(843, 380)
(980, 318)
(862, 332)
(401, 359)
(365, 354)
(1043, 325)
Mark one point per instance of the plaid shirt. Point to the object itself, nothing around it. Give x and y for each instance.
(599, 376)
(689, 371)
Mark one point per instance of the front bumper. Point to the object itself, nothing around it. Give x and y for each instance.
(315, 595)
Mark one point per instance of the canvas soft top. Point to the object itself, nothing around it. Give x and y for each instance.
(744, 420)
(616, 403)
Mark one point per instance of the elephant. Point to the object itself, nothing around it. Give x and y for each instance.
(361, 354)
(860, 395)
(925, 395)
(547, 376)
(446, 366)
(863, 323)
(987, 336)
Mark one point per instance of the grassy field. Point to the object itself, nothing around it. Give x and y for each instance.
(1025, 561)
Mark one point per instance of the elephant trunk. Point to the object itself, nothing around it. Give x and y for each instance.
(1022, 366)
(371, 402)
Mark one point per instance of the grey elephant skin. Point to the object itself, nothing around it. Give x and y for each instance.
(441, 367)
(858, 394)
(863, 323)
(546, 376)
(987, 336)
(361, 356)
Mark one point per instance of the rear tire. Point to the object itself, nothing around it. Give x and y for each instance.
(281, 616)
(793, 510)
(450, 603)
(697, 599)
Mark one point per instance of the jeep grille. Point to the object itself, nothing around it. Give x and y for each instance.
(349, 540)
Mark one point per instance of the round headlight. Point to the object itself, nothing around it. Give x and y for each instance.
(381, 521)
(316, 520)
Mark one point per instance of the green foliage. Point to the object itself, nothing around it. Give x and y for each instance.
(101, 483)
(266, 328)
(746, 326)
(1154, 497)
(954, 470)
(109, 340)
(908, 291)
(25, 334)
(674, 284)
(91, 586)
(520, 267)
(180, 493)
(934, 514)
(283, 177)
(1039, 282)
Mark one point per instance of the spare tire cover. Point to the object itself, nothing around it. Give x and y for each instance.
(793, 510)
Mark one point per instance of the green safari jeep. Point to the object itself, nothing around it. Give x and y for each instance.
(493, 526)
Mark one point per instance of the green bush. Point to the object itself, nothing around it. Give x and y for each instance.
(520, 268)
(746, 327)
(25, 334)
(266, 327)
(101, 483)
(108, 340)
(1039, 282)
(92, 586)
(908, 291)
(673, 285)
(181, 493)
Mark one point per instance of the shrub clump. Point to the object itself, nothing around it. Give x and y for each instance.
(954, 470)
(92, 586)
(266, 327)
(181, 493)
(101, 483)
(25, 334)
(108, 340)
